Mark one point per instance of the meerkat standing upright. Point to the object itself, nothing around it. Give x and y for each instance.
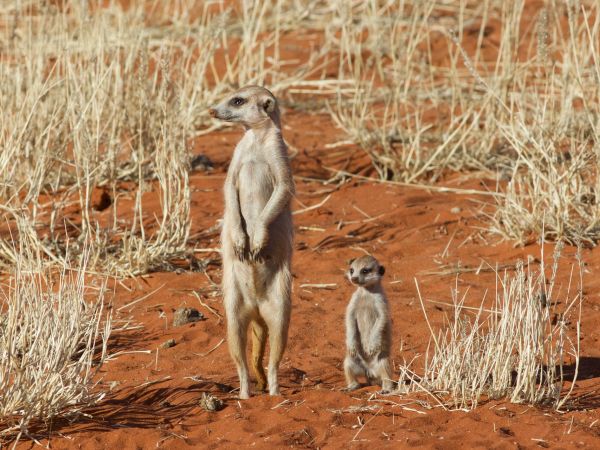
(368, 327)
(257, 235)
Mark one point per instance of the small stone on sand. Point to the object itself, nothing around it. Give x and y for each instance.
(168, 343)
(186, 315)
(210, 403)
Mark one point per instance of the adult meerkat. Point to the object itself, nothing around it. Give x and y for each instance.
(257, 235)
(368, 327)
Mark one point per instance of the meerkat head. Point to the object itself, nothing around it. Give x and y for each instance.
(365, 271)
(252, 106)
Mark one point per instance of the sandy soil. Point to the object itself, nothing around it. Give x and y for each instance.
(154, 396)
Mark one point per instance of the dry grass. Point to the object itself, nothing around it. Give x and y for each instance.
(94, 114)
(96, 97)
(517, 346)
(53, 337)
(423, 104)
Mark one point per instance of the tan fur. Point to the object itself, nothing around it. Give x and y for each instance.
(368, 327)
(257, 235)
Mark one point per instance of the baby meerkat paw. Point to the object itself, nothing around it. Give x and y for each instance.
(352, 387)
(375, 350)
(387, 387)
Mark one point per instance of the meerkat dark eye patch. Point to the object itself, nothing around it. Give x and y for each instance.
(351, 270)
(365, 271)
(237, 101)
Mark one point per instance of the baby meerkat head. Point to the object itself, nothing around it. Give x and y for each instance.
(365, 271)
(252, 106)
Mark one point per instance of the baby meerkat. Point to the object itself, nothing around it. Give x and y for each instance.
(368, 327)
(257, 235)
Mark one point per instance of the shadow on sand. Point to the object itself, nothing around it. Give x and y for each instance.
(143, 407)
(589, 369)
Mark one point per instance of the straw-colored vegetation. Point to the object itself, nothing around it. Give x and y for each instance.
(516, 345)
(524, 112)
(108, 101)
(53, 338)
(93, 97)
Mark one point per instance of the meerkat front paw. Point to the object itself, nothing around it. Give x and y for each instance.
(258, 242)
(239, 245)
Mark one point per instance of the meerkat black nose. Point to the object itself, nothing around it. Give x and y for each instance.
(212, 112)
(354, 279)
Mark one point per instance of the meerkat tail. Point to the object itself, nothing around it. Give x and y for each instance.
(259, 342)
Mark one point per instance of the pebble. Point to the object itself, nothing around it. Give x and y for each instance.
(168, 344)
(186, 315)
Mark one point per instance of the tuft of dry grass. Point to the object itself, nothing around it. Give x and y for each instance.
(552, 131)
(516, 348)
(53, 336)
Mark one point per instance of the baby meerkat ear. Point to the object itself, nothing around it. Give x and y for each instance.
(351, 261)
(268, 105)
(381, 270)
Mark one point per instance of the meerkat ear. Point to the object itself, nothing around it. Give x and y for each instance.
(381, 270)
(351, 261)
(268, 105)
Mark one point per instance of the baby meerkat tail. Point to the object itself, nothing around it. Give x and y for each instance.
(259, 342)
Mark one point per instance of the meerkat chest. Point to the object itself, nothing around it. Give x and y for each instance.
(255, 177)
(255, 185)
(369, 308)
(366, 315)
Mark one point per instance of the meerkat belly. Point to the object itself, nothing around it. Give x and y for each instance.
(256, 187)
(366, 321)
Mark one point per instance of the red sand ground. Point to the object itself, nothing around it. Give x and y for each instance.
(154, 397)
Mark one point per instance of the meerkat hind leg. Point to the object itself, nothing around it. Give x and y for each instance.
(237, 331)
(382, 370)
(259, 341)
(278, 320)
(236, 335)
(277, 340)
(353, 369)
